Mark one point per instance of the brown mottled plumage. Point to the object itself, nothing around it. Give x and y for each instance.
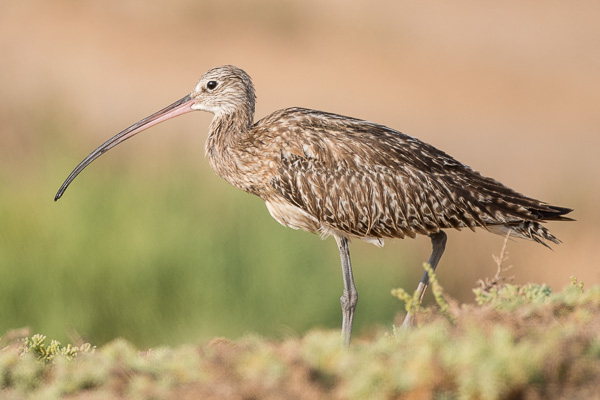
(335, 175)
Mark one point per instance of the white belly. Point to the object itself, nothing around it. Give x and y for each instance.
(296, 218)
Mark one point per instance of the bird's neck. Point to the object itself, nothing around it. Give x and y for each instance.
(227, 129)
(226, 133)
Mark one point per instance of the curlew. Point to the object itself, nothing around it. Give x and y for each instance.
(344, 177)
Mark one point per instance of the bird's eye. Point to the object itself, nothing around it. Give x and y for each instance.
(211, 85)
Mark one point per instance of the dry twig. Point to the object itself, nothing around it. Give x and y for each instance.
(488, 283)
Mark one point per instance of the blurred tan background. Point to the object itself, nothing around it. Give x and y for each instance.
(510, 88)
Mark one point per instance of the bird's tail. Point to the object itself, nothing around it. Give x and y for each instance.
(534, 230)
(526, 230)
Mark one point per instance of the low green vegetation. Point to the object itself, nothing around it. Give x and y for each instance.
(47, 352)
(519, 342)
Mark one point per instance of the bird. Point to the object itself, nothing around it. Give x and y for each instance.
(339, 176)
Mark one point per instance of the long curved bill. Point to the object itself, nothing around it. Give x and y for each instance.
(181, 106)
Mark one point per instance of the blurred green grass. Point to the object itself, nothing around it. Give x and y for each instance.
(167, 256)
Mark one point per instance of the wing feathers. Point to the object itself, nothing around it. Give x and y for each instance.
(368, 180)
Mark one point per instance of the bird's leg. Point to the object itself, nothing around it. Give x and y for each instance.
(438, 242)
(350, 296)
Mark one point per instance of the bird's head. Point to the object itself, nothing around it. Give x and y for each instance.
(224, 90)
